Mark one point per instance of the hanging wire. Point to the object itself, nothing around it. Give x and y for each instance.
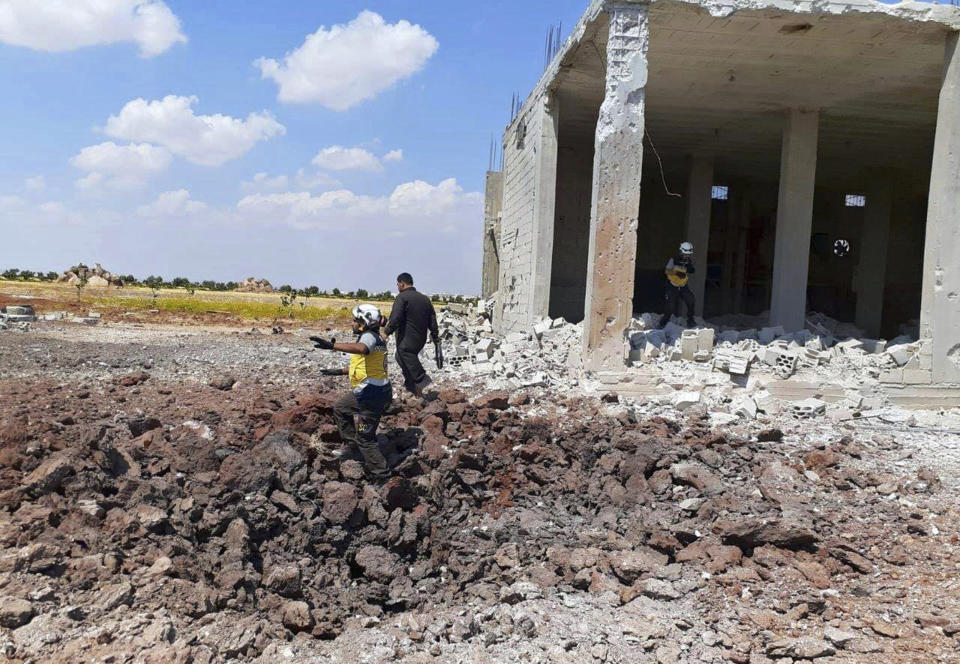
(663, 176)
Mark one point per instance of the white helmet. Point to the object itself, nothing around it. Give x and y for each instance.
(686, 249)
(367, 314)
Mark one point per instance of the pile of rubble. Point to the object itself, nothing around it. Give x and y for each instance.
(549, 354)
(147, 521)
(17, 317)
(96, 277)
(252, 285)
(771, 349)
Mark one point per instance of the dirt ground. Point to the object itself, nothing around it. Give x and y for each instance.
(170, 494)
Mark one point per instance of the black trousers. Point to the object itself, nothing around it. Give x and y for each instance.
(674, 296)
(415, 377)
(357, 420)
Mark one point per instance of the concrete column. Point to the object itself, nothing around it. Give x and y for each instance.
(618, 157)
(699, 202)
(545, 193)
(940, 306)
(791, 255)
(871, 272)
(492, 207)
(740, 268)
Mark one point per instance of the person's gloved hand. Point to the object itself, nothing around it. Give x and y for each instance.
(331, 372)
(323, 344)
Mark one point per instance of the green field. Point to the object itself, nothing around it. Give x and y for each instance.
(246, 306)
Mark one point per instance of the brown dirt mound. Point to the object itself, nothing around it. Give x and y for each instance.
(224, 516)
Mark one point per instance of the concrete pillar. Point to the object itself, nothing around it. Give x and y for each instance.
(940, 305)
(699, 203)
(545, 193)
(618, 157)
(740, 267)
(492, 207)
(871, 272)
(791, 255)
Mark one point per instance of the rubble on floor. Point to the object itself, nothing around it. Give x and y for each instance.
(736, 375)
(18, 317)
(143, 520)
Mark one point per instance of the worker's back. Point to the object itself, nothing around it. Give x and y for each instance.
(412, 318)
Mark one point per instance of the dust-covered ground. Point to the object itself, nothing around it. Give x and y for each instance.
(170, 495)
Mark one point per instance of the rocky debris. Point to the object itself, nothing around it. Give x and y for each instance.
(155, 519)
(14, 612)
(96, 276)
(252, 285)
(224, 383)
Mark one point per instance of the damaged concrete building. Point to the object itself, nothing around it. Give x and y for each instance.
(809, 150)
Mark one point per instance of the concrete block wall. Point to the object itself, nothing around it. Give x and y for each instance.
(517, 225)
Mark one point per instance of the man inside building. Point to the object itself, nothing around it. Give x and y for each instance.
(411, 318)
(370, 390)
(678, 273)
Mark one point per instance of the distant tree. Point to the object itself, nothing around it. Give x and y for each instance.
(180, 282)
(153, 281)
(312, 291)
(286, 288)
(27, 275)
(52, 276)
(129, 280)
(230, 285)
(362, 294)
(336, 292)
(11, 274)
(80, 285)
(208, 285)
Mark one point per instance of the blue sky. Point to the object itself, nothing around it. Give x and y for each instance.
(87, 173)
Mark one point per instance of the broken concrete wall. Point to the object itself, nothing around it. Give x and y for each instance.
(517, 227)
(492, 208)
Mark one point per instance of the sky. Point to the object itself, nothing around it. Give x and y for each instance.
(320, 142)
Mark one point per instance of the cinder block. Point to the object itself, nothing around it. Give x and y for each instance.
(688, 345)
(705, 338)
(917, 376)
(892, 376)
(900, 353)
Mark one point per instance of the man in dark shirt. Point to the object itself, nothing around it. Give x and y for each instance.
(411, 318)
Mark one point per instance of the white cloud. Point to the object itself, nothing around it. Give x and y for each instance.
(344, 65)
(302, 181)
(422, 199)
(119, 166)
(266, 182)
(208, 140)
(66, 25)
(308, 181)
(393, 155)
(419, 205)
(172, 204)
(338, 158)
(36, 183)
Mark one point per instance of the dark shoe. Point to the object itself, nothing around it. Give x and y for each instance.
(691, 322)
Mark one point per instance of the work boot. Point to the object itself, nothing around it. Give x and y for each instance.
(691, 322)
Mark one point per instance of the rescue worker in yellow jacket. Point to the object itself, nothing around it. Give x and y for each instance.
(358, 411)
(678, 273)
